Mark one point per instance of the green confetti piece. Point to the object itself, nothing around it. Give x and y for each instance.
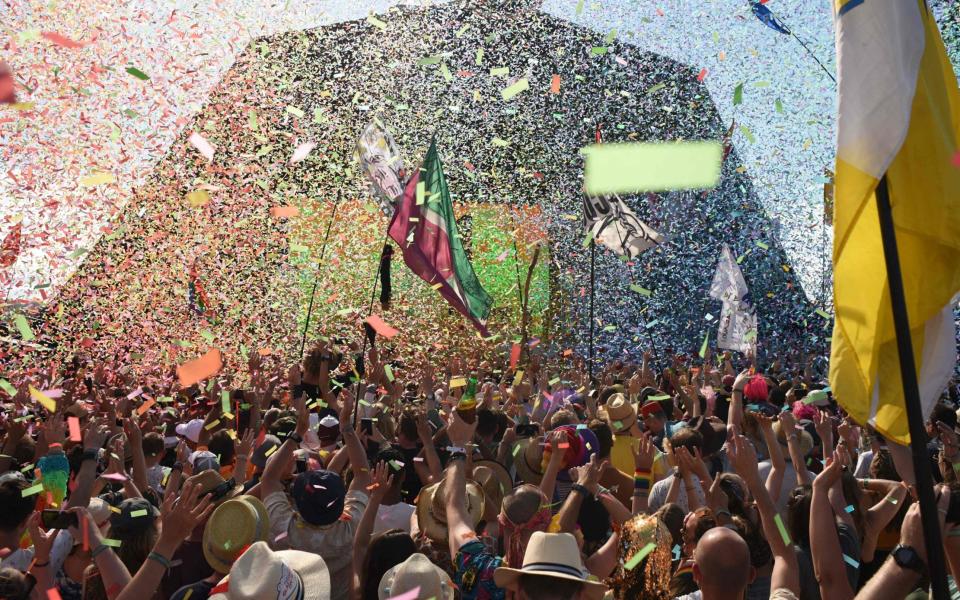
(763, 245)
(611, 36)
(421, 191)
(462, 31)
(761, 84)
(252, 120)
(9, 389)
(659, 398)
(376, 22)
(512, 90)
(639, 556)
(445, 72)
(747, 134)
(111, 542)
(554, 381)
(32, 490)
(138, 73)
(579, 9)
(429, 60)
(822, 313)
(516, 449)
(778, 105)
(655, 88)
(783, 530)
(500, 71)
(225, 400)
(139, 513)
(738, 94)
(24, 328)
(641, 290)
(598, 50)
(500, 142)
(643, 167)
(587, 239)
(610, 328)
(703, 347)
(293, 110)
(479, 59)
(388, 372)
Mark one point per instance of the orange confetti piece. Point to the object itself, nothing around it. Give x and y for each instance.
(74, 424)
(283, 212)
(555, 84)
(381, 326)
(145, 406)
(206, 366)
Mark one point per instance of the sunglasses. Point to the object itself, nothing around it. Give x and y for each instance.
(222, 490)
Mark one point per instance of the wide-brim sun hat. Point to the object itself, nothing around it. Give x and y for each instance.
(554, 555)
(417, 572)
(432, 508)
(262, 574)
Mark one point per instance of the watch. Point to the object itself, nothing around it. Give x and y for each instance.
(907, 557)
(296, 437)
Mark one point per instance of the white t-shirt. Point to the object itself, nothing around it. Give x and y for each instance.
(395, 516)
(22, 558)
(658, 494)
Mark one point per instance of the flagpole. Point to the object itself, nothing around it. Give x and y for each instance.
(911, 397)
(316, 276)
(363, 351)
(593, 260)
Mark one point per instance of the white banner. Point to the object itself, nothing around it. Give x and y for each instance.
(380, 160)
(614, 225)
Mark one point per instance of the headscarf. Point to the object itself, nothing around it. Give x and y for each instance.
(514, 531)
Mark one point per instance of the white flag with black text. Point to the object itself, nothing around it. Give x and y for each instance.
(614, 225)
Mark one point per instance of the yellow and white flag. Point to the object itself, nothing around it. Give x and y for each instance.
(899, 115)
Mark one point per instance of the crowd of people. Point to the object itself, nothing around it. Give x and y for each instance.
(353, 476)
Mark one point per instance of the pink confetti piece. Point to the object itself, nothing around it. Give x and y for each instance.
(61, 40)
(702, 75)
(114, 476)
(74, 424)
(202, 145)
(410, 595)
(301, 152)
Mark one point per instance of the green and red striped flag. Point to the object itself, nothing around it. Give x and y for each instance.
(426, 231)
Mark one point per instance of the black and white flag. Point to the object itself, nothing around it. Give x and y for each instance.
(738, 320)
(614, 225)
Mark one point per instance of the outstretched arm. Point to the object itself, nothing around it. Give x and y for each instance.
(459, 524)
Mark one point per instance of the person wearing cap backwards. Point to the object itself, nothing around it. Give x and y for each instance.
(324, 515)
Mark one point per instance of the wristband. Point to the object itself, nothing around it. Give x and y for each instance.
(295, 437)
(457, 456)
(90, 454)
(581, 489)
(99, 550)
(156, 556)
(40, 565)
(177, 466)
(722, 511)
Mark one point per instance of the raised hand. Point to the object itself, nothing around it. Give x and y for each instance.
(42, 540)
(381, 481)
(589, 474)
(244, 445)
(831, 472)
(742, 379)
(743, 459)
(459, 431)
(644, 453)
(717, 499)
(95, 435)
(180, 516)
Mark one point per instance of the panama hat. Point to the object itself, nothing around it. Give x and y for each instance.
(621, 414)
(528, 459)
(806, 440)
(417, 572)
(232, 527)
(262, 574)
(552, 555)
(432, 508)
(495, 481)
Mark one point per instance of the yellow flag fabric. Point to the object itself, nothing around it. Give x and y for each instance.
(899, 115)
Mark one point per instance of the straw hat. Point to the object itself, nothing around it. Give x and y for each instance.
(495, 481)
(552, 555)
(432, 508)
(232, 527)
(262, 574)
(528, 459)
(806, 440)
(417, 572)
(212, 482)
(621, 414)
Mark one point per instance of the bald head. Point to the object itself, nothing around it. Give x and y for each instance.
(722, 560)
